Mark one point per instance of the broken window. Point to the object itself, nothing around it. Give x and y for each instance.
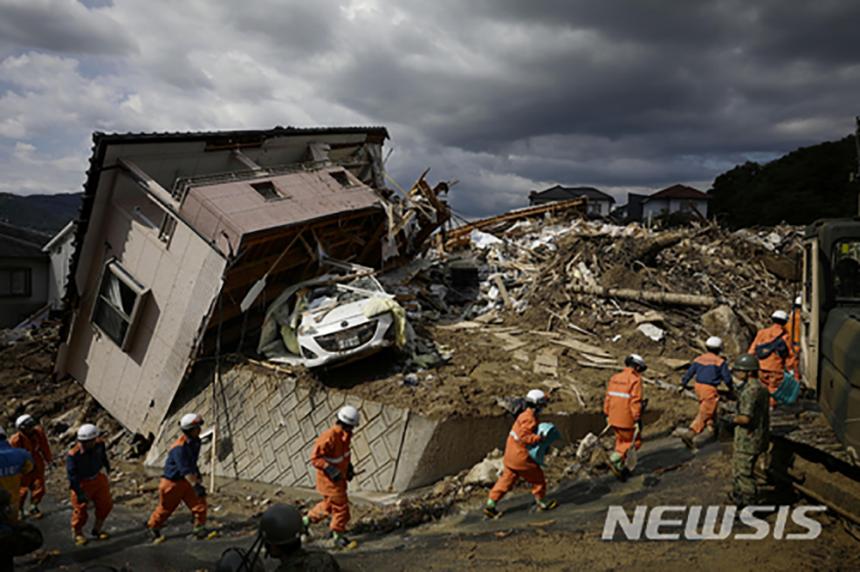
(117, 304)
(846, 271)
(267, 190)
(15, 282)
(342, 178)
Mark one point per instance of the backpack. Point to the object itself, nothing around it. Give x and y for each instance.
(764, 351)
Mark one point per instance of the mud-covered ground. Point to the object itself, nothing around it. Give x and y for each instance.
(568, 538)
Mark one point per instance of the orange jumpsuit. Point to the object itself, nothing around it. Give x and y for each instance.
(782, 359)
(174, 488)
(332, 449)
(708, 370)
(86, 470)
(37, 445)
(517, 462)
(623, 408)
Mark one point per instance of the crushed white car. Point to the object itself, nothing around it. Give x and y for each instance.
(332, 319)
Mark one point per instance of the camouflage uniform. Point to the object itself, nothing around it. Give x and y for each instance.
(751, 440)
(308, 561)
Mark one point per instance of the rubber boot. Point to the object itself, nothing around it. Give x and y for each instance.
(157, 537)
(97, 531)
(342, 542)
(80, 539)
(490, 510)
(543, 505)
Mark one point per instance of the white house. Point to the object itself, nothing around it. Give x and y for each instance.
(59, 249)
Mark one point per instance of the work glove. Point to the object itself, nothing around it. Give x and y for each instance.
(199, 490)
(333, 473)
(350, 472)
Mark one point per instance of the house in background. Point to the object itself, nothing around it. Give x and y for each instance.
(59, 250)
(599, 203)
(674, 199)
(24, 271)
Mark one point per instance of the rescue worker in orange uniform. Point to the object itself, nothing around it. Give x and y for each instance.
(794, 332)
(623, 410)
(31, 438)
(15, 465)
(772, 347)
(181, 481)
(331, 459)
(87, 467)
(709, 370)
(518, 464)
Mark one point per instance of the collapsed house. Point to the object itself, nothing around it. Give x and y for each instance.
(183, 242)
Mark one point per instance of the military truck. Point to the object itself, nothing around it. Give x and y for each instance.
(816, 445)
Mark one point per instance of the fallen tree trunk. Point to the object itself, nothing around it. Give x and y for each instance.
(668, 298)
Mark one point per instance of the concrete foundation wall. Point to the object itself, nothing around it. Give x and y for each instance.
(267, 424)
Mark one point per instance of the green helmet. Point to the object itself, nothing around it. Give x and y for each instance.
(281, 524)
(746, 362)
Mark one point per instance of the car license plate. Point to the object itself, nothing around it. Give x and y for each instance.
(347, 343)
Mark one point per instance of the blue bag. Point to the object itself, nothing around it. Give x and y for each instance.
(538, 450)
(788, 390)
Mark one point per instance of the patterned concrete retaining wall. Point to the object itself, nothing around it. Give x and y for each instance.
(267, 424)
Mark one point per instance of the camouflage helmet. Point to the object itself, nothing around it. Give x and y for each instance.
(745, 362)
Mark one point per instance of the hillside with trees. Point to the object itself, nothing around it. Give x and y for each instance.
(800, 187)
(46, 213)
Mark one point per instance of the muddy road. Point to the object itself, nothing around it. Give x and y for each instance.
(568, 538)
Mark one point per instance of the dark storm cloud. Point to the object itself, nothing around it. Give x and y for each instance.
(504, 95)
(67, 27)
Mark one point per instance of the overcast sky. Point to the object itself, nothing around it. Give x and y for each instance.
(504, 95)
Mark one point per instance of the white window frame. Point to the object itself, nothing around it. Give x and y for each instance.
(113, 266)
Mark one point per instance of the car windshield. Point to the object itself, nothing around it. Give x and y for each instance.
(846, 271)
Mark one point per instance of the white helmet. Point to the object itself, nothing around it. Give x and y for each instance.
(348, 415)
(779, 315)
(24, 421)
(798, 301)
(536, 396)
(714, 343)
(189, 421)
(87, 432)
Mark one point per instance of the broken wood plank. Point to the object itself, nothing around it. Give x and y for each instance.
(582, 347)
(546, 363)
(503, 291)
(596, 365)
(599, 359)
(669, 298)
(467, 325)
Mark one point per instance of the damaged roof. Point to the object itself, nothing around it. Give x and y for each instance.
(213, 139)
(239, 208)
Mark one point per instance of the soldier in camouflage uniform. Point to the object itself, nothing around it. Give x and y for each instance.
(752, 424)
(280, 532)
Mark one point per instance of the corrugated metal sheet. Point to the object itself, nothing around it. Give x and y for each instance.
(236, 209)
